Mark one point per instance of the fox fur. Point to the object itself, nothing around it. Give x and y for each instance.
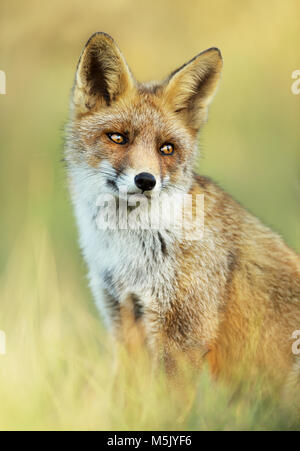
(231, 299)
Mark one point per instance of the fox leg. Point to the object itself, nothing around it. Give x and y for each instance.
(107, 304)
(172, 345)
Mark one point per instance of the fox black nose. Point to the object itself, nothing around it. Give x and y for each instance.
(145, 181)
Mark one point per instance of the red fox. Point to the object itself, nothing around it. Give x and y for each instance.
(231, 298)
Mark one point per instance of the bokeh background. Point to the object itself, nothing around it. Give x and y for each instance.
(56, 372)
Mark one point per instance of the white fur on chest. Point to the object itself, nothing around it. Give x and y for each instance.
(122, 262)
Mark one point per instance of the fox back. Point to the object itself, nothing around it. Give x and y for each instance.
(231, 298)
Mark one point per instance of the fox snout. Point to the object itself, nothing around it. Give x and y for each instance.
(145, 181)
(134, 181)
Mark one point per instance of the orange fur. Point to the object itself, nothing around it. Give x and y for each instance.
(235, 300)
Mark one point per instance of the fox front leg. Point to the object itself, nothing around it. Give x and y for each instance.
(176, 340)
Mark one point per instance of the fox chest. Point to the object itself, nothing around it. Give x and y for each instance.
(132, 262)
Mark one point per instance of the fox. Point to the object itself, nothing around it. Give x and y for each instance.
(230, 299)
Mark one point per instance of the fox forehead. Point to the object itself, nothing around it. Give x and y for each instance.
(148, 123)
(140, 115)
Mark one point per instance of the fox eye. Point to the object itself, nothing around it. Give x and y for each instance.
(117, 138)
(167, 149)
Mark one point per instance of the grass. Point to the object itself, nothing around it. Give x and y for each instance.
(59, 370)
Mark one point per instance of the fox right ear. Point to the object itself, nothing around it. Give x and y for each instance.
(189, 90)
(102, 74)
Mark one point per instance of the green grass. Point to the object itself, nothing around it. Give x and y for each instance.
(60, 371)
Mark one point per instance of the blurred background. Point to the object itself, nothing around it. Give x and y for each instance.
(55, 372)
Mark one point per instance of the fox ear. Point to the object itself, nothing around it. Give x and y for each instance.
(190, 88)
(102, 74)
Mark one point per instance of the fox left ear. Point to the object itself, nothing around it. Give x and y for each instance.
(102, 75)
(190, 89)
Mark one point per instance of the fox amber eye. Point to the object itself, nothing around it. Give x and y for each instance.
(117, 138)
(167, 149)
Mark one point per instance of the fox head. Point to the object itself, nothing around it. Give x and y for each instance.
(141, 136)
